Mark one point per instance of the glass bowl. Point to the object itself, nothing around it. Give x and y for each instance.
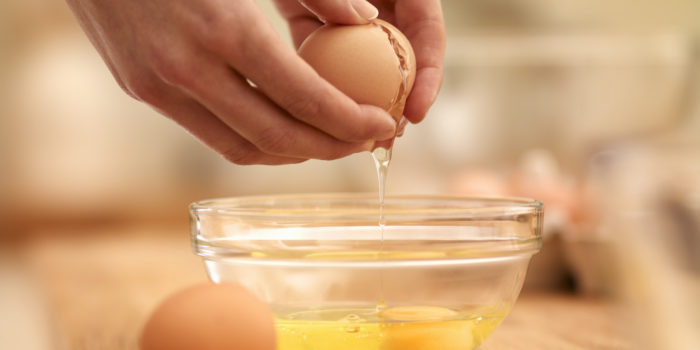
(439, 273)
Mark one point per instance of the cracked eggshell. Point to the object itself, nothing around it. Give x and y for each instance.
(364, 61)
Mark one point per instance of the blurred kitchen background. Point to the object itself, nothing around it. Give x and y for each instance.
(591, 106)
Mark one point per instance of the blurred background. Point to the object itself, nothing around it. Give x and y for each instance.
(589, 106)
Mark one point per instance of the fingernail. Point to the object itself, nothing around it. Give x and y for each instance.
(364, 9)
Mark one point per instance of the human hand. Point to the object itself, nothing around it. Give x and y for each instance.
(193, 61)
(420, 20)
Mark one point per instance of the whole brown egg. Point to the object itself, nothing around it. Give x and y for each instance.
(210, 317)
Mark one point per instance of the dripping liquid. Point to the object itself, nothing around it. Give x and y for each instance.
(382, 158)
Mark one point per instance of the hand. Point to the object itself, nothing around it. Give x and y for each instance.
(220, 71)
(420, 20)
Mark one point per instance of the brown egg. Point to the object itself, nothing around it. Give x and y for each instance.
(372, 63)
(212, 317)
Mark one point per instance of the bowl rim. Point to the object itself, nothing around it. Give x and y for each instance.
(275, 221)
(261, 204)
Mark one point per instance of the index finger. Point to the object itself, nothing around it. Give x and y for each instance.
(422, 23)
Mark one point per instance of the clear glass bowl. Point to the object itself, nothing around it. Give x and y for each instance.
(441, 273)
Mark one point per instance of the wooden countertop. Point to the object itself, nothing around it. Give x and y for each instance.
(99, 288)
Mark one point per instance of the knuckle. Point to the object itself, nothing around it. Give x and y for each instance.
(358, 133)
(242, 155)
(274, 140)
(335, 154)
(305, 108)
(364, 123)
(216, 36)
(224, 31)
(144, 89)
(172, 69)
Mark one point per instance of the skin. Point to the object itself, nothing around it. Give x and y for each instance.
(219, 70)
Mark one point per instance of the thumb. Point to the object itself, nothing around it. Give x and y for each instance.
(342, 11)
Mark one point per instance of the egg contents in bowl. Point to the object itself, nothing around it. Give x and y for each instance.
(398, 328)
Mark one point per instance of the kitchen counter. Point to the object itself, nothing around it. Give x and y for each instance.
(99, 287)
